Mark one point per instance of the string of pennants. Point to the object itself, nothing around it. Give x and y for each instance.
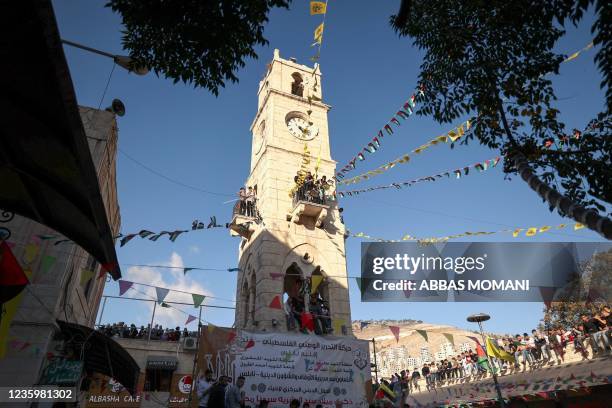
(162, 293)
(403, 113)
(318, 8)
(374, 145)
(452, 136)
(516, 232)
(483, 166)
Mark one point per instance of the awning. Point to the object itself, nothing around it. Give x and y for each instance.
(103, 355)
(46, 170)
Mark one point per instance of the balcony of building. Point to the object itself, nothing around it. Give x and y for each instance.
(309, 206)
(244, 219)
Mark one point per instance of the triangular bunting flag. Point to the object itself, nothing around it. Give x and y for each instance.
(124, 286)
(396, 332)
(145, 233)
(190, 319)
(363, 324)
(86, 276)
(233, 269)
(276, 303)
(424, 334)
(197, 299)
(185, 270)
(126, 239)
(161, 294)
(316, 281)
(211, 327)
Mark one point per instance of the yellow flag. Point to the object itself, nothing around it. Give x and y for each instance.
(531, 232)
(317, 7)
(560, 226)
(316, 281)
(545, 228)
(86, 275)
(318, 33)
(571, 57)
(211, 327)
(494, 351)
(578, 226)
(338, 323)
(453, 136)
(516, 232)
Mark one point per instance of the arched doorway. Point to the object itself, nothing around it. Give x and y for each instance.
(293, 296)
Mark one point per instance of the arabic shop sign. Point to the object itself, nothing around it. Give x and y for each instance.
(162, 363)
(61, 371)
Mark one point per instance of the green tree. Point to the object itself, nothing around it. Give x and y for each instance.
(491, 59)
(200, 42)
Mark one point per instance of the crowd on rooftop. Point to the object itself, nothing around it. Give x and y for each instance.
(123, 330)
(527, 351)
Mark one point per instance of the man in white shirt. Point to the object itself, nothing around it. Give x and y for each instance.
(203, 388)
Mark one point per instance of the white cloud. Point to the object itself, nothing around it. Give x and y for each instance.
(173, 279)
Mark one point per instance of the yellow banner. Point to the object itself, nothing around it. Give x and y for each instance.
(318, 33)
(318, 7)
(494, 351)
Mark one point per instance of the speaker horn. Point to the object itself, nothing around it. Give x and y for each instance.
(117, 107)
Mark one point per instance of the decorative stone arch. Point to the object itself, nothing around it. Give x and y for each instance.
(297, 86)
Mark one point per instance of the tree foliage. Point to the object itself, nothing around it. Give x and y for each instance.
(493, 59)
(584, 295)
(201, 42)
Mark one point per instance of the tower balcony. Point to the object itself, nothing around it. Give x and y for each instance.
(310, 207)
(244, 221)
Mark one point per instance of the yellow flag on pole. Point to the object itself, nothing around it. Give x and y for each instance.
(318, 7)
(318, 33)
(494, 351)
(316, 281)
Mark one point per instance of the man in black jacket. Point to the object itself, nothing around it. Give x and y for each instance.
(216, 397)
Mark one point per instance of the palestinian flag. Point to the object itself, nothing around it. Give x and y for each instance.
(12, 277)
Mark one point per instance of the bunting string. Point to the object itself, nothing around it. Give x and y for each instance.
(482, 166)
(162, 292)
(516, 232)
(451, 136)
(404, 112)
(318, 8)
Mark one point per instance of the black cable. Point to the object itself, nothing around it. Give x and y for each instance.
(171, 180)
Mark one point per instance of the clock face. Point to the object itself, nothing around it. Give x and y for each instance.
(301, 128)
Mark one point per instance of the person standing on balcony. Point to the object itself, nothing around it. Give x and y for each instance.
(250, 201)
(242, 201)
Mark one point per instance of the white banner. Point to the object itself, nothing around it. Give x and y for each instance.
(280, 367)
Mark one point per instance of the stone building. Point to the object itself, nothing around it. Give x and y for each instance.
(291, 238)
(64, 279)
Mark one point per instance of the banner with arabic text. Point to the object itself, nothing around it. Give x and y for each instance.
(280, 367)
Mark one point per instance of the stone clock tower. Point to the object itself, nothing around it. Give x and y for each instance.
(291, 240)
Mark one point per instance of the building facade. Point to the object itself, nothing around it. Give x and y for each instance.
(65, 282)
(290, 239)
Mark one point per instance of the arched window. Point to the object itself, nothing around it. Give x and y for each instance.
(293, 294)
(297, 86)
(319, 303)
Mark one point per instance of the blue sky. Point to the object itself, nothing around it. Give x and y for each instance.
(202, 140)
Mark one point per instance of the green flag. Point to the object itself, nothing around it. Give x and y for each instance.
(197, 299)
(424, 334)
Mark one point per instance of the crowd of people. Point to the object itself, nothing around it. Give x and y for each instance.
(247, 201)
(313, 189)
(122, 330)
(526, 351)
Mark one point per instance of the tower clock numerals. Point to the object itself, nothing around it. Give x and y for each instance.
(301, 128)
